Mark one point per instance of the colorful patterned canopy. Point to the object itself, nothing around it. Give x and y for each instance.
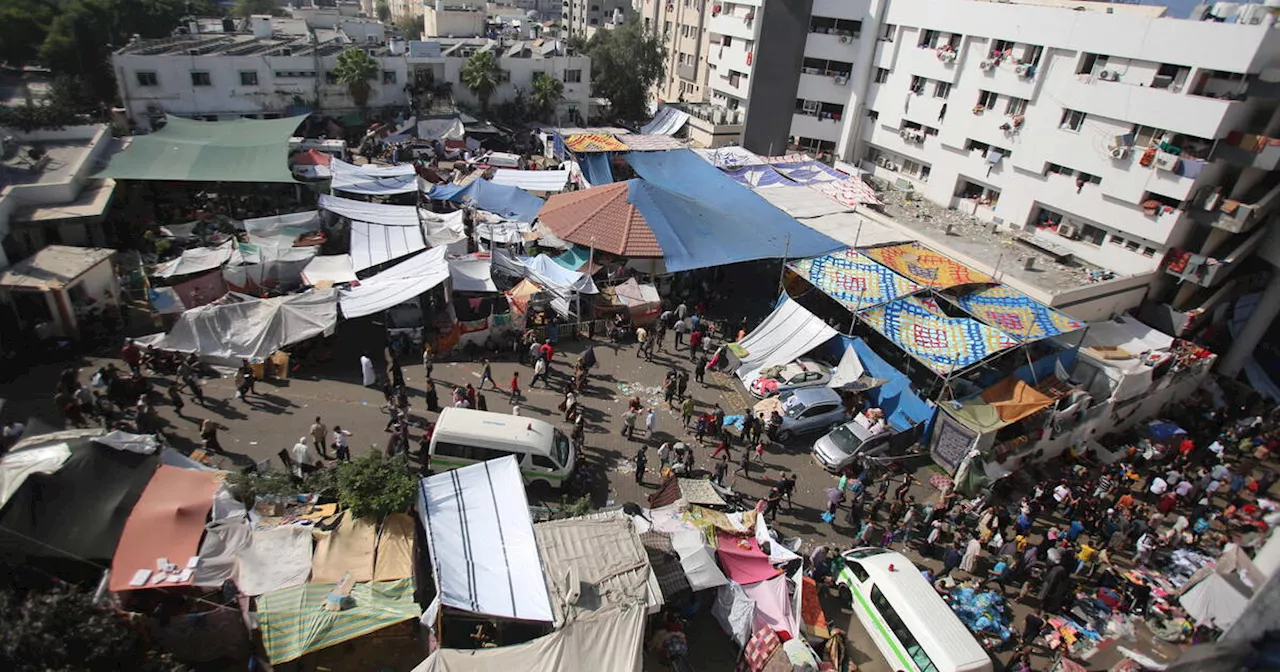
(593, 142)
(925, 266)
(853, 280)
(944, 344)
(809, 172)
(758, 176)
(851, 192)
(1016, 314)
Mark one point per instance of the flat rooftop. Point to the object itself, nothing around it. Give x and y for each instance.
(41, 162)
(981, 241)
(243, 44)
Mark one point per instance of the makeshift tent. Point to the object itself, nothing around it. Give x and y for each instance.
(698, 560)
(481, 541)
(1014, 400)
(642, 301)
(395, 285)
(652, 143)
(583, 143)
(347, 548)
(608, 642)
(289, 225)
(373, 244)
(1128, 334)
(295, 622)
(902, 407)
(330, 270)
(1217, 594)
(532, 180)
(668, 121)
(252, 328)
(801, 202)
(488, 226)
(773, 605)
(925, 266)
(276, 558)
(522, 293)
(394, 554)
(696, 212)
(167, 522)
(450, 128)
(56, 518)
(311, 157)
(850, 374)
(757, 177)
(597, 168)
(196, 260)
(1015, 313)
(562, 284)
(788, 332)
(742, 559)
(601, 561)
(243, 150)
(472, 273)
(510, 202)
(373, 180)
(443, 229)
(850, 191)
(735, 612)
(376, 213)
(601, 217)
(942, 343)
(574, 258)
(853, 280)
(729, 157)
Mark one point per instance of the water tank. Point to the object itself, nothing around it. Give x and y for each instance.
(260, 24)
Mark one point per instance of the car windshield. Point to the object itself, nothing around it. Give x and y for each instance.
(844, 439)
(560, 448)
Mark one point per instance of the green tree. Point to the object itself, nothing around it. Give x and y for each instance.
(625, 64)
(23, 25)
(59, 108)
(410, 27)
(480, 74)
(62, 630)
(251, 7)
(374, 486)
(545, 94)
(383, 10)
(356, 69)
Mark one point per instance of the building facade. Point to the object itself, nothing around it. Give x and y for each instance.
(683, 26)
(582, 18)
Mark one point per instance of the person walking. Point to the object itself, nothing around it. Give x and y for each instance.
(680, 329)
(642, 460)
(471, 396)
(539, 373)
(659, 333)
(669, 388)
(788, 487)
(175, 398)
(628, 423)
(341, 445)
(744, 465)
(428, 359)
(514, 388)
(760, 452)
(367, 375)
(641, 335)
(969, 563)
(209, 435)
(695, 344)
(699, 368)
(682, 384)
(433, 397)
(722, 448)
(686, 411)
(720, 470)
(771, 502)
(664, 456)
(319, 433)
(486, 375)
(650, 423)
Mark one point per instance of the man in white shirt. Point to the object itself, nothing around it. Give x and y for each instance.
(1159, 486)
(367, 376)
(1216, 448)
(304, 456)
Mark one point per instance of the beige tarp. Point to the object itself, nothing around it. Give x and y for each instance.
(1014, 399)
(348, 548)
(395, 549)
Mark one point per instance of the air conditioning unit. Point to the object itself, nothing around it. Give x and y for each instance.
(914, 136)
(1119, 152)
(987, 65)
(1108, 76)
(1166, 161)
(947, 56)
(1068, 231)
(882, 162)
(842, 80)
(893, 167)
(1022, 69)
(845, 39)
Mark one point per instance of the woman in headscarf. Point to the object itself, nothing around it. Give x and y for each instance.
(969, 563)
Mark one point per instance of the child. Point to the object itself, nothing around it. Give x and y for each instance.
(701, 429)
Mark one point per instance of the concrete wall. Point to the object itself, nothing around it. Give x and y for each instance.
(452, 23)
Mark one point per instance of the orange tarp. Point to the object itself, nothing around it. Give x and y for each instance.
(1014, 399)
(168, 522)
(815, 621)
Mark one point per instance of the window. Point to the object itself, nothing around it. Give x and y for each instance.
(735, 79)
(1087, 178)
(1016, 107)
(917, 84)
(388, 76)
(1072, 120)
(857, 570)
(901, 632)
(298, 74)
(987, 99)
(941, 90)
(1117, 240)
(1146, 136)
(873, 115)
(882, 75)
(1001, 46)
(249, 78)
(544, 462)
(1055, 169)
(829, 26)
(928, 39)
(595, 8)
(1091, 63)
(573, 76)
(887, 31)
(1092, 235)
(666, 28)
(726, 41)
(147, 79)
(201, 79)
(1132, 246)
(809, 107)
(1031, 54)
(1148, 251)
(594, 22)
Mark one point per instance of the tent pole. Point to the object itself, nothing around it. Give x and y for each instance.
(782, 271)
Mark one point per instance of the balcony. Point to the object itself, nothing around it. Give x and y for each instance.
(1238, 215)
(809, 125)
(1249, 151)
(712, 125)
(1205, 270)
(1193, 115)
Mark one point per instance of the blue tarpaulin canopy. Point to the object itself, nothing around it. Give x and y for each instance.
(702, 217)
(1163, 430)
(510, 202)
(596, 168)
(902, 407)
(573, 258)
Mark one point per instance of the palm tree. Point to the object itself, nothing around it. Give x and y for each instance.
(355, 69)
(480, 74)
(546, 94)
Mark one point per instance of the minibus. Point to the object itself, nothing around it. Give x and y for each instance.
(464, 436)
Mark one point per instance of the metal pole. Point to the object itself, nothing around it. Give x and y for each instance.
(782, 271)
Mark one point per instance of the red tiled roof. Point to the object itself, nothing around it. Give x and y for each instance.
(601, 217)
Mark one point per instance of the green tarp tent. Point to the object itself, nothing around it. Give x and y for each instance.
(243, 150)
(295, 623)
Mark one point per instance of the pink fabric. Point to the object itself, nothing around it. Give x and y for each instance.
(743, 564)
(773, 607)
(201, 290)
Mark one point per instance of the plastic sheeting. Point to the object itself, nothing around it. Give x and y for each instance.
(395, 285)
(809, 172)
(742, 559)
(334, 270)
(291, 225)
(1016, 314)
(243, 150)
(925, 266)
(294, 621)
(1014, 400)
(373, 180)
(600, 559)
(394, 555)
(855, 231)
(853, 280)
(373, 244)
(251, 329)
(471, 274)
(942, 343)
(668, 121)
(347, 548)
(773, 606)
(442, 229)
(441, 129)
(510, 202)
(697, 560)
(220, 550)
(597, 168)
(788, 332)
(757, 177)
(532, 180)
(730, 157)
(167, 522)
(376, 213)
(196, 260)
(16, 467)
(801, 202)
(276, 558)
(697, 212)
(902, 407)
(482, 547)
(735, 611)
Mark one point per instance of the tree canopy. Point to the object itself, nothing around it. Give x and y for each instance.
(480, 74)
(410, 27)
(356, 69)
(625, 63)
(383, 10)
(547, 92)
(374, 486)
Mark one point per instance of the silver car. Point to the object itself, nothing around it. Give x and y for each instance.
(809, 409)
(853, 442)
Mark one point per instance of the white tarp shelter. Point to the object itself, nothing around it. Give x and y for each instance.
(373, 180)
(601, 561)
(441, 129)
(532, 180)
(15, 467)
(376, 213)
(373, 244)
(196, 260)
(734, 610)
(471, 274)
(252, 328)
(610, 641)
(668, 121)
(491, 227)
(333, 269)
(800, 201)
(395, 285)
(555, 279)
(292, 224)
(483, 551)
(1114, 350)
(442, 229)
(1218, 593)
(697, 559)
(789, 332)
(274, 559)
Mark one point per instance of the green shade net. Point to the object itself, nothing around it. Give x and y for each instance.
(243, 150)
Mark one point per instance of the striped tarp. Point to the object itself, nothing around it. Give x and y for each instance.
(294, 621)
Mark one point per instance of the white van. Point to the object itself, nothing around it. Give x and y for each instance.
(464, 436)
(913, 627)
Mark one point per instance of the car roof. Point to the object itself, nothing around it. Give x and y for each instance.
(816, 395)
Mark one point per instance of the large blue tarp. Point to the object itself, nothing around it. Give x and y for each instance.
(902, 407)
(500, 199)
(574, 258)
(596, 167)
(702, 217)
